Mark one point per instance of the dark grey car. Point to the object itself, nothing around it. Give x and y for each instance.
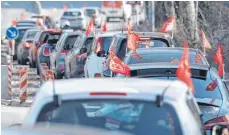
(23, 47)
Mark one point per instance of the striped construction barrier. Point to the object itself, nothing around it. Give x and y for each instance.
(45, 74)
(23, 84)
(10, 66)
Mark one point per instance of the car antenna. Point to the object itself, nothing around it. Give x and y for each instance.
(159, 98)
(56, 99)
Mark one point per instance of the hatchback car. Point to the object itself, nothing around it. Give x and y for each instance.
(102, 42)
(40, 39)
(23, 47)
(147, 40)
(63, 46)
(211, 92)
(76, 58)
(135, 106)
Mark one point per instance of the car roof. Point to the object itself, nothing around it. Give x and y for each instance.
(26, 21)
(23, 28)
(166, 50)
(107, 34)
(130, 86)
(164, 65)
(33, 30)
(73, 33)
(90, 7)
(149, 34)
(73, 9)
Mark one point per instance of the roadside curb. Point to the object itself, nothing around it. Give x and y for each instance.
(16, 103)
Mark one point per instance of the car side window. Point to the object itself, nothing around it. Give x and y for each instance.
(112, 46)
(59, 41)
(88, 43)
(122, 49)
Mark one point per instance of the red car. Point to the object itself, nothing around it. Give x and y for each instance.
(41, 38)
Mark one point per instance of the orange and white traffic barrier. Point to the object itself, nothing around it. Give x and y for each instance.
(23, 74)
(10, 68)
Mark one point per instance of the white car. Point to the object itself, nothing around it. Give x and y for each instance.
(76, 17)
(140, 106)
(93, 65)
(97, 13)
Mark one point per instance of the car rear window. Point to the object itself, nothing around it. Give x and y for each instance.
(31, 34)
(90, 12)
(158, 57)
(132, 116)
(70, 41)
(72, 13)
(105, 43)
(152, 42)
(200, 86)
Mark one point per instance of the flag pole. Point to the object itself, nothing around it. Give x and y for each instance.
(204, 51)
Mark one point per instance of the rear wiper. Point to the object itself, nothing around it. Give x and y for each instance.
(207, 104)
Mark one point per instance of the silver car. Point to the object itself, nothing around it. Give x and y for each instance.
(76, 17)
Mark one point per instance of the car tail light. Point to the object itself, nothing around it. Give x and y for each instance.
(221, 120)
(61, 66)
(97, 75)
(145, 38)
(27, 45)
(64, 52)
(108, 94)
(46, 51)
(211, 86)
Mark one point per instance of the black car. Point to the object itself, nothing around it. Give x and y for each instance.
(23, 47)
(211, 93)
(76, 58)
(147, 40)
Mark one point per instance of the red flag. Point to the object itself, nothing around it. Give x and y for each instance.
(169, 25)
(14, 22)
(218, 58)
(183, 71)
(104, 27)
(205, 42)
(65, 7)
(22, 16)
(117, 66)
(98, 45)
(132, 41)
(128, 28)
(90, 27)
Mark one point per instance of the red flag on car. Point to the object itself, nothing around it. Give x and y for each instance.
(205, 42)
(128, 28)
(218, 58)
(169, 25)
(104, 27)
(132, 41)
(65, 7)
(90, 27)
(98, 45)
(183, 71)
(117, 66)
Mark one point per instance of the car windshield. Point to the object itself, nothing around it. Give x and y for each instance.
(90, 12)
(131, 116)
(71, 13)
(200, 86)
(164, 56)
(31, 34)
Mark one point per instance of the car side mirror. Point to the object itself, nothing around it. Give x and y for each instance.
(37, 43)
(220, 130)
(101, 53)
(107, 73)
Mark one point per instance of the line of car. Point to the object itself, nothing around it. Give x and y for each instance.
(150, 100)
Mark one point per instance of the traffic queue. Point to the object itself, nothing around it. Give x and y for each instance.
(133, 82)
